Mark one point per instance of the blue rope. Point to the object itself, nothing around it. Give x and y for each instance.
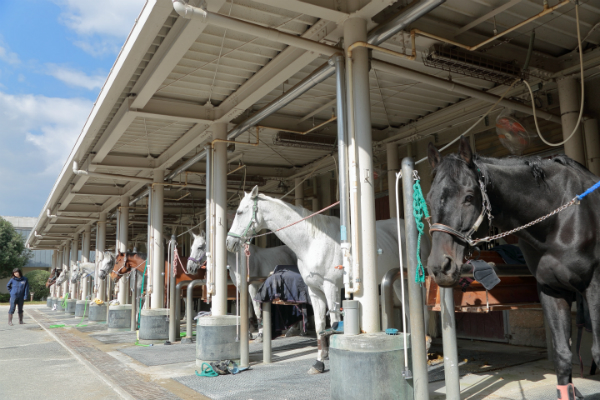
(590, 190)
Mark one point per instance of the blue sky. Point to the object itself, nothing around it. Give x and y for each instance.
(54, 58)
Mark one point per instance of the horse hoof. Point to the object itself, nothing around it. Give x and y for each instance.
(317, 368)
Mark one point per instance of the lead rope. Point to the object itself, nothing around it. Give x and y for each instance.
(419, 211)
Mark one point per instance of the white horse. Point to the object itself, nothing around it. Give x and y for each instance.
(316, 242)
(107, 263)
(64, 275)
(80, 270)
(262, 263)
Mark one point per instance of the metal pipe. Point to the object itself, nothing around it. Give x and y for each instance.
(387, 298)
(178, 288)
(547, 10)
(101, 247)
(190, 309)
(592, 145)
(415, 293)
(74, 259)
(414, 11)
(451, 375)
(85, 258)
(408, 73)
(117, 177)
(190, 12)
(244, 326)
(392, 168)
(173, 320)
(69, 217)
(219, 223)
(149, 251)
(342, 136)
(122, 244)
(568, 97)
(266, 317)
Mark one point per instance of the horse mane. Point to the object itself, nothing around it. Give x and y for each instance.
(454, 165)
(315, 225)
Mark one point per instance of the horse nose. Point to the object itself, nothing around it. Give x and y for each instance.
(447, 264)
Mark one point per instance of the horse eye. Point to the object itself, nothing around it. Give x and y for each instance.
(468, 199)
(239, 212)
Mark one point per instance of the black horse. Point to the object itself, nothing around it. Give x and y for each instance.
(562, 251)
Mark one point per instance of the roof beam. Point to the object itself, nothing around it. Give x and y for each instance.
(174, 111)
(306, 8)
(90, 190)
(113, 132)
(487, 16)
(177, 42)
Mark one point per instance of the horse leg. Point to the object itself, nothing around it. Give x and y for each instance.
(592, 295)
(320, 307)
(557, 313)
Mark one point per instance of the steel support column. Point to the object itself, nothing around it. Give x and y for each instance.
(67, 264)
(299, 192)
(158, 258)
(219, 192)
(592, 145)
(355, 30)
(54, 291)
(85, 257)
(122, 244)
(75, 287)
(568, 96)
(100, 248)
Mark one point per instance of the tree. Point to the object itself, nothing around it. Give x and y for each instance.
(37, 283)
(13, 253)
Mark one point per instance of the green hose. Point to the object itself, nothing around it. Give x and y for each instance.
(84, 310)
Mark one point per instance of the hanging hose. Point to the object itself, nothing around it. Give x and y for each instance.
(419, 211)
(84, 311)
(582, 91)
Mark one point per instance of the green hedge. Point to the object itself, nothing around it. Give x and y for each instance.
(4, 297)
(37, 283)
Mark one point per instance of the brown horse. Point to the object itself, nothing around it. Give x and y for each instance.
(53, 276)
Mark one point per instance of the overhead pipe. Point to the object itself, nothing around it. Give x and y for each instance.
(190, 12)
(450, 86)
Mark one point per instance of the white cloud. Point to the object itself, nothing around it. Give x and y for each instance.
(8, 56)
(102, 25)
(73, 77)
(37, 133)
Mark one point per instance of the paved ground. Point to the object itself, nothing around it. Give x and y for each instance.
(37, 362)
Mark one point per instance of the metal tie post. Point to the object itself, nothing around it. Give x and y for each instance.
(449, 341)
(420, 379)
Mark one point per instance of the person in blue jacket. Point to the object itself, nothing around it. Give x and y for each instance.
(18, 287)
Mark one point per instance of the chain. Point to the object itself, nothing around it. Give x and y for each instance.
(537, 221)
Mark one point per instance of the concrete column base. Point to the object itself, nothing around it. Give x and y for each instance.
(49, 302)
(368, 367)
(98, 313)
(82, 308)
(215, 339)
(154, 324)
(119, 318)
(71, 305)
(55, 303)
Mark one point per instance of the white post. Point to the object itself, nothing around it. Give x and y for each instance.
(66, 264)
(392, 168)
(59, 263)
(54, 265)
(568, 96)
(85, 257)
(299, 192)
(100, 248)
(355, 30)
(74, 259)
(219, 192)
(123, 242)
(592, 145)
(158, 257)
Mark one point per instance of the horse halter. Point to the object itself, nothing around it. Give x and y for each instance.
(251, 224)
(486, 209)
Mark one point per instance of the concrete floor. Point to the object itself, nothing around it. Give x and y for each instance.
(41, 363)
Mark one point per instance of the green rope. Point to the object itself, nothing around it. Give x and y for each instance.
(65, 298)
(84, 310)
(137, 343)
(141, 295)
(419, 210)
(206, 370)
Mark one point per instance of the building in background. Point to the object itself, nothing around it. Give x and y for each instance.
(42, 259)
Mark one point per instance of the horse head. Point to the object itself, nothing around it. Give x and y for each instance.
(76, 271)
(197, 256)
(107, 262)
(247, 222)
(456, 208)
(121, 267)
(62, 277)
(52, 278)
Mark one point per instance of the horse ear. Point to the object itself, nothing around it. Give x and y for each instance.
(434, 155)
(464, 150)
(254, 192)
